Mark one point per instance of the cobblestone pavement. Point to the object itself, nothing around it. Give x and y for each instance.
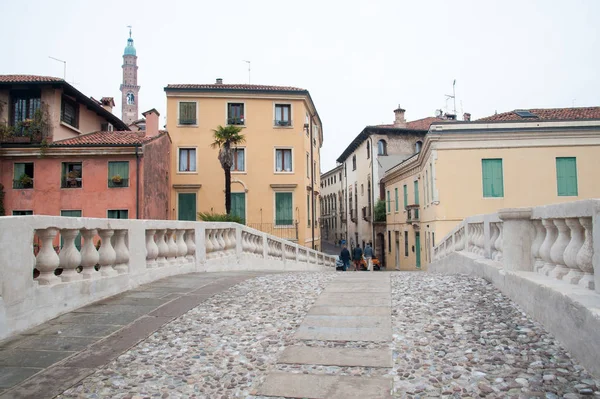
(453, 336)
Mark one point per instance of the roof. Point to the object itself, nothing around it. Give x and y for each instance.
(114, 138)
(129, 50)
(91, 103)
(547, 114)
(419, 124)
(233, 87)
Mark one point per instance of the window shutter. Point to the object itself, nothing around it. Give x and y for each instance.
(416, 192)
(19, 170)
(566, 176)
(397, 199)
(283, 208)
(493, 181)
(405, 196)
(389, 204)
(498, 182)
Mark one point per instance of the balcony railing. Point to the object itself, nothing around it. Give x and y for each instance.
(235, 121)
(287, 230)
(20, 184)
(69, 182)
(118, 183)
(282, 123)
(366, 213)
(188, 121)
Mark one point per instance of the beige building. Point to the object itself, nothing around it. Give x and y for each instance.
(364, 161)
(332, 205)
(515, 159)
(275, 177)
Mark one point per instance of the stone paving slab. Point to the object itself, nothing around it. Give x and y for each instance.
(343, 357)
(315, 386)
(56, 343)
(350, 310)
(10, 376)
(343, 334)
(342, 288)
(31, 358)
(353, 299)
(348, 321)
(78, 330)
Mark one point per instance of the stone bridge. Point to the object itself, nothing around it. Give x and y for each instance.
(143, 309)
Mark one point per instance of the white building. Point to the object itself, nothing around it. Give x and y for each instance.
(332, 206)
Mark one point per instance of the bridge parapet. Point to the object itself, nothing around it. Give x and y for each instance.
(50, 265)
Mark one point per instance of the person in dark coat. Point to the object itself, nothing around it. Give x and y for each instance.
(357, 257)
(345, 257)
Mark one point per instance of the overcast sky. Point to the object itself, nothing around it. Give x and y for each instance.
(358, 59)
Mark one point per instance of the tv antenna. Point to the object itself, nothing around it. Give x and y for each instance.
(453, 96)
(64, 66)
(248, 62)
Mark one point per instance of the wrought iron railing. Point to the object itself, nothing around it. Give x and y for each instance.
(118, 183)
(277, 122)
(20, 184)
(189, 121)
(235, 121)
(286, 229)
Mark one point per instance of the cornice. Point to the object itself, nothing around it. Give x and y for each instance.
(68, 151)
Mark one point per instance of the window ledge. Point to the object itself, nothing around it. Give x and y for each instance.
(284, 173)
(187, 173)
(118, 186)
(282, 127)
(240, 126)
(70, 127)
(239, 173)
(183, 126)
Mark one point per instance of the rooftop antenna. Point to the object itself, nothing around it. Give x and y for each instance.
(248, 62)
(64, 66)
(453, 96)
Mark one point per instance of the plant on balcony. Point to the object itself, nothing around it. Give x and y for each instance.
(25, 180)
(380, 211)
(225, 138)
(116, 179)
(35, 129)
(219, 217)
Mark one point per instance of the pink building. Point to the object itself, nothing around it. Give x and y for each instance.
(62, 153)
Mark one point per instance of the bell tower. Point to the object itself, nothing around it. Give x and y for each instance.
(129, 87)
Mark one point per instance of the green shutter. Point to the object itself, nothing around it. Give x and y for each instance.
(416, 192)
(493, 181)
(397, 202)
(118, 214)
(118, 169)
(75, 214)
(566, 176)
(283, 209)
(405, 196)
(389, 202)
(238, 205)
(187, 206)
(187, 113)
(19, 170)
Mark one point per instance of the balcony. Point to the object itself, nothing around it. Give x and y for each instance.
(235, 121)
(118, 182)
(282, 123)
(71, 182)
(188, 121)
(23, 183)
(412, 213)
(353, 216)
(366, 213)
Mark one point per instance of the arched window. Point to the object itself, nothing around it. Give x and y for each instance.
(381, 147)
(368, 150)
(418, 146)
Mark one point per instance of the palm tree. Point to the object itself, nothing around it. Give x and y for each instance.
(225, 139)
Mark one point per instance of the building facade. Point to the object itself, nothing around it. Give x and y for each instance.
(504, 161)
(275, 176)
(129, 87)
(332, 206)
(364, 162)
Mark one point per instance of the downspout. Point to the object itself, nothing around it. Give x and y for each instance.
(137, 182)
(312, 182)
(346, 200)
(372, 196)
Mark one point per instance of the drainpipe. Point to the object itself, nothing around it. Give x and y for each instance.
(346, 200)
(137, 182)
(372, 196)
(312, 182)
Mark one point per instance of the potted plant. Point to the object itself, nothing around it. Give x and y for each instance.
(73, 177)
(26, 181)
(116, 179)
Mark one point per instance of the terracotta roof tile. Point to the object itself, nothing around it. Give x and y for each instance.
(28, 78)
(548, 114)
(107, 138)
(248, 87)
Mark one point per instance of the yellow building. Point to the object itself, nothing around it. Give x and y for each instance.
(515, 159)
(275, 177)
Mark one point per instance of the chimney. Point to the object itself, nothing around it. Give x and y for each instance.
(399, 120)
(108, 103)
(467, 117)
(151, 122)
(219, 81)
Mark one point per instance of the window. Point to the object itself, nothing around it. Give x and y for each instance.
(315, 169)
(187, 159)
(23, 175)
(389, 203)
(566, 176)
(431, 177)
(283, 209)
(308, 207)
(283, 160)
(406, 243)
(405, 196)
(426, 191)
(418, 146)
(362, 190)
(22, 213)
(235, 114)
(433, 239)
(118, 174)
(74, 214)
(389, 241)
(239, 160)
(238, 205)
(306, 121)
(118, 214)
(71, 174)
(187, 113)
(416, 187)
(307, 165)
(381, 147)
(353, 162)
(396, 196)
(283, 113)
(368, 150)
(23, 105)
(493, 185)
(69, 112)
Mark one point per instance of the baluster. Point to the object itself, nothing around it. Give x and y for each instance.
(498, 243)
(107, 253)
(258, 245)
(470, 238)
(151, 249)
(208, 243)
(69, 257)
(122, 252)
(221, 241)
(540, 234)
(245, 244)
(557, 251)
(89, 255)
(571, 251)
(172, 251)
(229, 244)
(551, 234)
(494, 234)
(181, 246)
(215, 243)
(47, 260)
(481, 240)
(163, 248)
(585, 254)
(190, 243)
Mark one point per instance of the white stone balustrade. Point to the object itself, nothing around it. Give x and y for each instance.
(130, 253)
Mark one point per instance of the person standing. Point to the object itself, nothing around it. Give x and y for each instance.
(345, 257)
(357, 257)
(369, 257)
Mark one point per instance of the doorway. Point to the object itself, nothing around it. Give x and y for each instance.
(418, 248)
(397, 233)
(186, 209)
